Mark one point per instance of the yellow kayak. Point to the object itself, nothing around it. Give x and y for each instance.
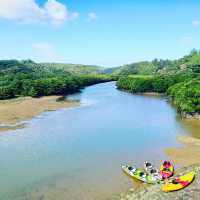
(179, 183)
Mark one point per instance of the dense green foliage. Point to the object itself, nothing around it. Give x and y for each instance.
(189, 63)
(157, 83)
(186, 96)
(179, 79)
(27, 78)
(135, 84)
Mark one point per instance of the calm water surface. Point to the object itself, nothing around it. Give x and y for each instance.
(75, 154)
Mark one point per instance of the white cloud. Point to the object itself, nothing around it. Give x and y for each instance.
(28, 11)
(46, 52)
(92, 16)
(196, 23)
(56, 11)
(22, 10)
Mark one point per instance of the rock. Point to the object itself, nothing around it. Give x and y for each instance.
(191, 116)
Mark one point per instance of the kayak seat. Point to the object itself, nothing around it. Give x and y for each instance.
(166, 169)
(148, 164)
(130, 168)
(153, 171)
(142, 174)
(175, 181)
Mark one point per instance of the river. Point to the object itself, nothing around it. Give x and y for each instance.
(76, 153)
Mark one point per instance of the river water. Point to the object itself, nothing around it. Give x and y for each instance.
(76, 153)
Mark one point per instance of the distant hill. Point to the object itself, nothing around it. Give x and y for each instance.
(14, 65)
(113, 70)
(145, 67)
(189, 62)
(135, 68)
(31, 66)
(75, 68)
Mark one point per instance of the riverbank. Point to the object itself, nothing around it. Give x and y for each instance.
(154, 94)
(154, 192)
(191, 116)
(181, 90)
(187, 156)
(13, 112)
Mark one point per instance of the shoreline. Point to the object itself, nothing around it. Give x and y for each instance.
(154, 192)
(152, 94)
(188, 156)
(195, 116)
(183, 115)
(14, 112)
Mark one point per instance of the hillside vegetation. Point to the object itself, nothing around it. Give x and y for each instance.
(29, 65)
(189, 62)
(75, 68)
(27, 78)
(179, 79)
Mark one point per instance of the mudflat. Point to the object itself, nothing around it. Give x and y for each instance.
(188, 154)
(14, 111)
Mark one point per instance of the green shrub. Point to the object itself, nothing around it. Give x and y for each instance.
(186, 96)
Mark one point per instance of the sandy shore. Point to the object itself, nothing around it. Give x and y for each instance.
(152, 94)
(188, 154)
(193, 126)
(14, 112)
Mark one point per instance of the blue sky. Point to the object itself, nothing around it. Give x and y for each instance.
(100, 32)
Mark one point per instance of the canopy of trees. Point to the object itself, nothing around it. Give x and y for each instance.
(186, 96)
(180, 79)
(26, 78)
